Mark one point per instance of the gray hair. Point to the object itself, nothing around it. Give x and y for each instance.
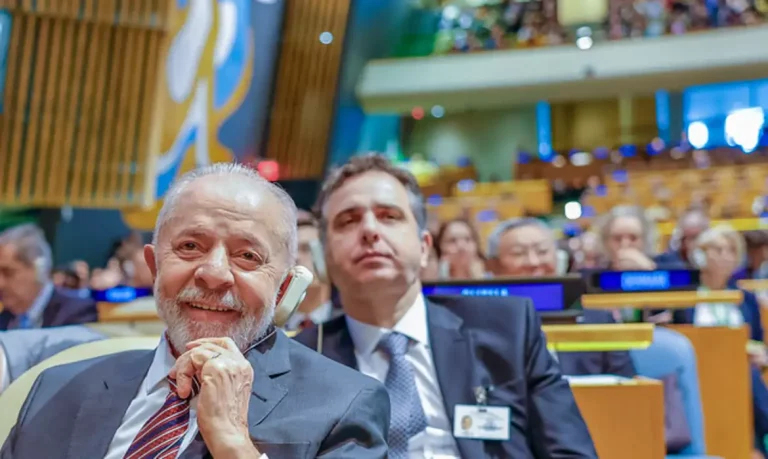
(361, 164)
(508, 225)
(649, 230)
(287, 219)
(32, 248)
(728, 233)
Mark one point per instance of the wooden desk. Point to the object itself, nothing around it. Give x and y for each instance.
(726, 390)
(661, 300)
(626, 420)
(598, 337)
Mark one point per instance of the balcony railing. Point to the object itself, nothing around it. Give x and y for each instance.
(497, 25)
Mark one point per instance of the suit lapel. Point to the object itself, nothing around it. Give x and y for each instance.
(452, 353)
(51, 310)
(110, 388)
(337, 342)
(270, 361)
(5, 320)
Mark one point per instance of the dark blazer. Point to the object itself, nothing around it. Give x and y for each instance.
(750, 309)
(61, 310)
(302, 406)
(595, 363)
(497, 343)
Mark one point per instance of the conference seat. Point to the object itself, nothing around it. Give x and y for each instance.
(671, 352)
(12, 399)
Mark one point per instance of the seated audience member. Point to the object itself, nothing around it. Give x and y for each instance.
(225, 238)
(718, 252)
(527, 248)
(588, 254)
(435, 355)
(316, 307)
(628, 238)
(690, 224)
(458, 250)
(27, 293)
(21, 350)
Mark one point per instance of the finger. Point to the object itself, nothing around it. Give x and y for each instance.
(188, 366)
(226, 343)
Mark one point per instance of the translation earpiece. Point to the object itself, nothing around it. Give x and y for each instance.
(318, 260)
(699, 258)
(293, 288)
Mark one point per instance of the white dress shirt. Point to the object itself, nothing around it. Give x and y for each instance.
(148, 401)
(318, 315)
(718, 315)
(437, 441)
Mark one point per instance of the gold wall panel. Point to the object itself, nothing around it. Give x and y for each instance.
(79, 102)
(305, 88)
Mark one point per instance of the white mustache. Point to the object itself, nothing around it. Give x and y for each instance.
(194, 294)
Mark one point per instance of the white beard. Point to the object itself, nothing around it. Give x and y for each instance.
(182, 330)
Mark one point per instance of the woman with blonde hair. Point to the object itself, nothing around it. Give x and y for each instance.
(718, 253)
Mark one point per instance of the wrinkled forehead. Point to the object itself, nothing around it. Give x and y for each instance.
(529, 236)
(626, 225)
(223, 206)
(367, 191)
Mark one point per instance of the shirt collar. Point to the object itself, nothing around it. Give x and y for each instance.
(160, 367)
(318, 315)
(35, 312)
(413, 325)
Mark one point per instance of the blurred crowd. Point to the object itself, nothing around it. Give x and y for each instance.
(516, 24)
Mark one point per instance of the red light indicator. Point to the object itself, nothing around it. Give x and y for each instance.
(269, 169)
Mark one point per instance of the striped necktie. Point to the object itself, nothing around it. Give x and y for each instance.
(162, 434)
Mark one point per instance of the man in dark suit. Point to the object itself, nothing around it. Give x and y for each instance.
(27, 294)
(223, 382)
(526, 247)
(466, 378)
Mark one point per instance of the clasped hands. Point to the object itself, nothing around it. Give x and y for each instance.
(226, 379)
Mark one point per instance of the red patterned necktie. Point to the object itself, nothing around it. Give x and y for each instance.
(163, 433)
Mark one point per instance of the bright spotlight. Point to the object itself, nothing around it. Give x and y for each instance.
(572, 210)
(584, 43)
(698, 134)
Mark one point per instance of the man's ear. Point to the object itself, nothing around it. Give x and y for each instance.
(149, 258)
(426, 248)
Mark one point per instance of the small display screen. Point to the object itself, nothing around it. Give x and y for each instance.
(121, 294)
(645, 281)
(545, 296)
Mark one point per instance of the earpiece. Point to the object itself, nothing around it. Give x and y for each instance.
(293, 288)
(699, 258)
(562, 262)
(318, 260)
(40, 269)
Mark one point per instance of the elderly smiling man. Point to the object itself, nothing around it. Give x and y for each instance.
(224, 240)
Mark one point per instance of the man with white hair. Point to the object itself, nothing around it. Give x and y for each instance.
(28, 297)
(225, 239)
(526, 247)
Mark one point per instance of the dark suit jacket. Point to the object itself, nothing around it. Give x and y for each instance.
(595, 363)
(61, 310)
(302, 406)
(494, 342)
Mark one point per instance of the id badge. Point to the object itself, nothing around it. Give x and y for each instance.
(481, 422)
